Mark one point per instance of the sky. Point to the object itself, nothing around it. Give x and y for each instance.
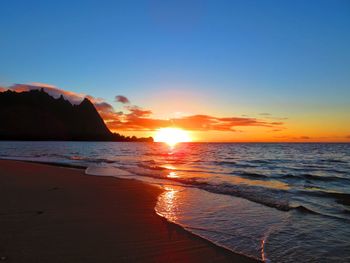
(224, 70)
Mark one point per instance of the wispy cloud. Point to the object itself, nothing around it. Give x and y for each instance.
(278, 129)
(269, 116)
(135, 118)
(294, 138)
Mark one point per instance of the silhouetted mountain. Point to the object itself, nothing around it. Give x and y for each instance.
(35, 115)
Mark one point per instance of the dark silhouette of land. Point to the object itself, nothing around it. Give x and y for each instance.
(35, 115)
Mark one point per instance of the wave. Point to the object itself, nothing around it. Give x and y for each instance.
(280, 199)
(306, 210)
(152, 167)
(341, 198)
(260, 161)
(90, 160)
(234, 164)
(261, 176)
(224, 162)
(251, 175)
(308, 176)
(76, 157)
(274, 198)
(333, 161)
(252, 193)
(303, 209)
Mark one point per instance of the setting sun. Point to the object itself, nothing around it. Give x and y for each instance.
(171, 136)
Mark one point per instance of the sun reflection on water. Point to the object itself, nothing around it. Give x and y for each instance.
(172, 175)
(169, 166)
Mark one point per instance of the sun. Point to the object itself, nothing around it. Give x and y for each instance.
(171, 136)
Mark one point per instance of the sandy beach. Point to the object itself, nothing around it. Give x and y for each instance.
(58, 214)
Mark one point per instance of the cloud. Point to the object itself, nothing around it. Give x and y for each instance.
(269, 116)
(278, 129)
(139, 119)
(207, 122)
(122, 99)
(137, 112)
(347, 137)
(135, 118)
(74, 98)
(296, 138)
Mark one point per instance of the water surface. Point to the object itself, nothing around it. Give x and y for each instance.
(275, 202)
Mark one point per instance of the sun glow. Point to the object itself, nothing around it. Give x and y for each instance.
(171, 136)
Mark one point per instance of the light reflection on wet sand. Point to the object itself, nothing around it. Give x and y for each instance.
(167, 204)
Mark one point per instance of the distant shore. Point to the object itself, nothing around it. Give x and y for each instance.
(58, 214)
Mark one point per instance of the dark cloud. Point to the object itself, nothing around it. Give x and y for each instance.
(103, 106)
(122, 99)
(137, 112)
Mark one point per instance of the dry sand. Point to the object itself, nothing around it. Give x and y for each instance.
(56, 214)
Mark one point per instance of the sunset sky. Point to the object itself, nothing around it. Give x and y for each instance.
(223, 70)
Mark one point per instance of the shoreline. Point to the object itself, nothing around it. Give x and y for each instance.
(74, 217)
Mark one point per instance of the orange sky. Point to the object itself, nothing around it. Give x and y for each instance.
(310, 127)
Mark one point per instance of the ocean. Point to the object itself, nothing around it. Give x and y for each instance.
(276, 202)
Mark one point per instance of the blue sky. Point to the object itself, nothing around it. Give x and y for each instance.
(233, 56)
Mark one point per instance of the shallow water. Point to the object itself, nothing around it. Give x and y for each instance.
(275, 202)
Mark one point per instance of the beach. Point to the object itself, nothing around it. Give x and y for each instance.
(59, 214)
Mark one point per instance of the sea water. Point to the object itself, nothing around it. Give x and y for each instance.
(280, 202)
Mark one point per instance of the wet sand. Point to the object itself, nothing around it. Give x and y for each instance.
(59, 214)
